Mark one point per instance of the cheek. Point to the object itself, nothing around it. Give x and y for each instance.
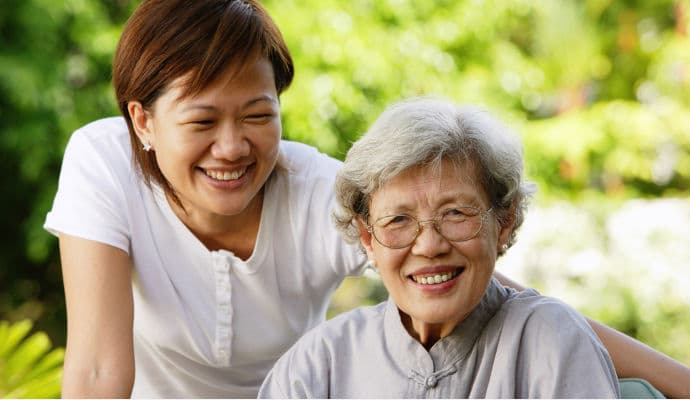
(265, 144)
(481, 251)
(173, 155)
(489, 237)
(388, 262)
(269, 139)
(392, 280)
(183, 147)
(178, 159)
(268, 132)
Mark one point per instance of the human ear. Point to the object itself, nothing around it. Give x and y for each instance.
(365, 237)
(142, 121)
(506, 230)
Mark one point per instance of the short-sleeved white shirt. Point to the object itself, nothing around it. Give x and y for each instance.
(206, 323)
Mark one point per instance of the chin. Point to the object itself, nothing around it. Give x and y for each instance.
(230, 211)
(225, 208)
(435, 317)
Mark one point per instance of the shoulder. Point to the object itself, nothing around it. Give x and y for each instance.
(547, 328)
(556, 349)
(536, 308)
(330, 337)
(302, 159)
(305, 178)
(348, 326)
(305, 369)
(107, 137)
(543, 317)
(357, 320)
(103, 129)
(96, 187)
(302, 188)
(107, 124)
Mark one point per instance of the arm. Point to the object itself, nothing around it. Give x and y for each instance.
(632, 358)
(99, 359)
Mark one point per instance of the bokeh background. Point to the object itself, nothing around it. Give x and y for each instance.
(599, 90)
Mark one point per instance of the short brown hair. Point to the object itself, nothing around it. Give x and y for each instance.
(166, 39)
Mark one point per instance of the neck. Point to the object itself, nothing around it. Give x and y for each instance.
(235, 233)
(427, 334)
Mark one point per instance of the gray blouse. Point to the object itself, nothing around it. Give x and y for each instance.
(513, 345)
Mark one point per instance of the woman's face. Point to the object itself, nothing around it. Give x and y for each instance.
(464, 268)
(217, 148)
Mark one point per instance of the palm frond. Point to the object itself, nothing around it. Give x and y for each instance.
(29, 366)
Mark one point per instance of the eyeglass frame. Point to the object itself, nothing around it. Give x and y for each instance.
(436, 225)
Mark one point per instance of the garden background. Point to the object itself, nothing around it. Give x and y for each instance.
(599, 90)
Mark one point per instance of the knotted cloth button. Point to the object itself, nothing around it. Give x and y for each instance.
(431, 382)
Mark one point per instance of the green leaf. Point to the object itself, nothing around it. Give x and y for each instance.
(14, 335)
(28, 366)
(47, 386)
(20, 362)
(50, 362)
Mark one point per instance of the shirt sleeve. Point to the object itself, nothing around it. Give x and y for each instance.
(90, 201)
(561, 357)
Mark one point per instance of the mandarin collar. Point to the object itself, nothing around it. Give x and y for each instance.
(410, 354)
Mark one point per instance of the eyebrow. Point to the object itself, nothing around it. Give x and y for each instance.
(265, 97)
(461, 197)
(251, 102)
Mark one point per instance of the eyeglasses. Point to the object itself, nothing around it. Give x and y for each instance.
(456, 225)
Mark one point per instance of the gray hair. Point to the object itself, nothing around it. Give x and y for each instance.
(425, 132)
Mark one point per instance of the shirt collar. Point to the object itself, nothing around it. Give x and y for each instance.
(409, 353)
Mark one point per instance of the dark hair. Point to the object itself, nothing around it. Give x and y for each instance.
(166, 39)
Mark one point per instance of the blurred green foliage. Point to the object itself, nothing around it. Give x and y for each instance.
(29, 367)
(598, 89)
(54, 76)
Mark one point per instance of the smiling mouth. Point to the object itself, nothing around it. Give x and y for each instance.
(433, 279)
(225, 175)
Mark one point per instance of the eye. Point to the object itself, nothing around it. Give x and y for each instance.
(394, 221)
(460, 213)
(259, 118)
(198, 124)
(454, 211)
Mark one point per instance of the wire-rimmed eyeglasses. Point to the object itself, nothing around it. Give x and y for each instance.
(455, 224)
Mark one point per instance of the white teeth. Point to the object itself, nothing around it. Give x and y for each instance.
(434, 279)
(227, 175)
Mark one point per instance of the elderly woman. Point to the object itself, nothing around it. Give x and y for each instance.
(434, 193)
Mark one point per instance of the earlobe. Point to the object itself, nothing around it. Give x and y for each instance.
(506, 231)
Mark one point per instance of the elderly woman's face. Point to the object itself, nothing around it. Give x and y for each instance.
(434, 281)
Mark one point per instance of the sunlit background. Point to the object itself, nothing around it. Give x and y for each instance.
(599, 90)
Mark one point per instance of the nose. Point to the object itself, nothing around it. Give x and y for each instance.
(230, 143)
(430, 243)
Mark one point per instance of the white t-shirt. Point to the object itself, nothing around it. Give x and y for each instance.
(206, 323)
